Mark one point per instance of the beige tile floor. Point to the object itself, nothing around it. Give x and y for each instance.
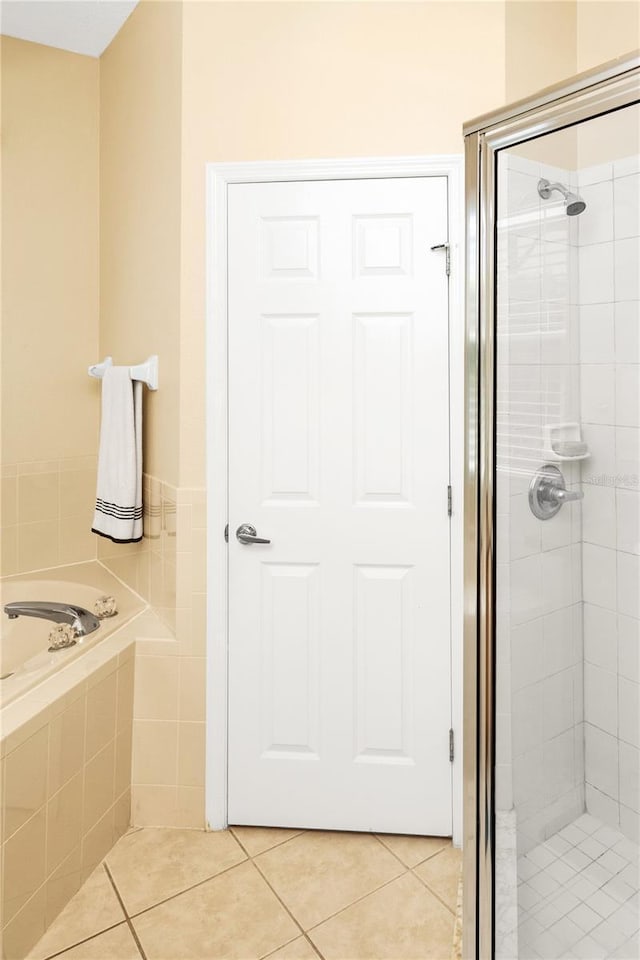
(252, 892)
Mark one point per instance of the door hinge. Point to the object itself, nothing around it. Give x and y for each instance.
(449, 501)
(447, 250)
(226, 534)
(451, 748)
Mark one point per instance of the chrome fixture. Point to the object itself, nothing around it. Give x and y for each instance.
(548, 491)
(573, 203)
(247, 534)
(80, 619)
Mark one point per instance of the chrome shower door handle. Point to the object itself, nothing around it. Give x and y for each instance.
(247, 534)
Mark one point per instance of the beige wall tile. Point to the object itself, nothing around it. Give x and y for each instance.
(184, 621)
(123, 760)
(63, 883)
(192, 688)
(155, 805)
(66, 744)
(97, 843)
(75, 464)
(28, 467)
(190, 809)
(8, 501)
(183, 528)
(8, 551)
(155, 750)
(126, 681)
(126, 568)
(78, 493)
(98, 787)
(199, 511)
(101, 714)
(156, 583)
(37, 545)
(77, 543)
(199, 624)
(184, 579)
(26, 928)
(122, 815)
(64, 822)
(23, 864)
(38, 497)
(199, 562)
(156, 689)
(169, 584)
(191, 756)
(24, 787)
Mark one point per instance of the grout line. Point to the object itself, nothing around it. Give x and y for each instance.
(420, 862)
(78, 943)
(276, 894)
(359, 900)
(132, 929)
(285, 907)
(280, 843)
(193, 886)
(433, 892)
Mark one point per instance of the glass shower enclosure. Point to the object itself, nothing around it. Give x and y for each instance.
(552, 514)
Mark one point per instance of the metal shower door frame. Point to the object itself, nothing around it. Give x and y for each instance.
(612, 87)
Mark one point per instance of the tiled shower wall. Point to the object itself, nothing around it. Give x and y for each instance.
(540, 655)
(609, 251)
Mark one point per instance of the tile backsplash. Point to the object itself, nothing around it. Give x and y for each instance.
(46, 508)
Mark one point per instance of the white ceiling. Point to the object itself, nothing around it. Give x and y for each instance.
(81, 26)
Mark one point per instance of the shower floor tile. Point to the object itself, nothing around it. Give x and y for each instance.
(579, 896)
(254, 893)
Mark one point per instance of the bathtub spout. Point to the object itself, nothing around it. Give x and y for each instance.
(80, 619)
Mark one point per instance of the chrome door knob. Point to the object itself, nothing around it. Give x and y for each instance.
(247, 534)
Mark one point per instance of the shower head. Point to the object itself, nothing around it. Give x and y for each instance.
(573, 203)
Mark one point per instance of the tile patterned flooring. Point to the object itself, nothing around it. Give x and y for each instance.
(578, 895)
(252, 892)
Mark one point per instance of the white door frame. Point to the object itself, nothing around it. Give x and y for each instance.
(219, 176)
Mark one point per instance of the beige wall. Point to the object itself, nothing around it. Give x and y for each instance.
(49, 253)
(265, 81)
(606, 29)
(541, 45)
(49, 435)
(140, 145)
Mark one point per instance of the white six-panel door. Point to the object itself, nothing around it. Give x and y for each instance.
(339, 636)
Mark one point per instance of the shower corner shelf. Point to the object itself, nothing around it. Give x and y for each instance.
(563, 443)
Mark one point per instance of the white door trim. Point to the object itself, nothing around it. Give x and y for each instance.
(219, 176)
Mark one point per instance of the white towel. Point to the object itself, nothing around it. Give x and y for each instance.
(118, 513)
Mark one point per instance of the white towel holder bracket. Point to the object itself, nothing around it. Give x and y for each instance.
(147, 372)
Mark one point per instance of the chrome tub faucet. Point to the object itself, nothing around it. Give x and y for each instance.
(81, 620)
